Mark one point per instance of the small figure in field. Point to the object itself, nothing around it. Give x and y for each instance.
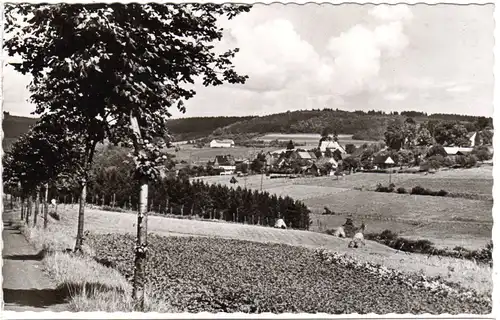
(358, 238)
(339, 232)
(280, 223)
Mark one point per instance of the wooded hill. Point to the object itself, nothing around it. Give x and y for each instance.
(369, 125)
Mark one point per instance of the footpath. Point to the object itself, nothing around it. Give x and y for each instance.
(25, 286)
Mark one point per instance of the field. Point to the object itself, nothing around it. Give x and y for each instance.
(220, 275)
(200, 156)
(310, 139)
(467, 273)
(446, 221)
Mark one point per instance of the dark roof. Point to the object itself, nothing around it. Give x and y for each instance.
(221, 160)
(380, 159)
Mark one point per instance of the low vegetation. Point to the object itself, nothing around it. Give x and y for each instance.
(221, 275)
(391, 239)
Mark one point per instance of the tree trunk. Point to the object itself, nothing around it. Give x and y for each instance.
(81, 216)
(114, 200)
(28, 211)
(22, 208)
(140, 248)
(138, 292)
(37, 206)
(46, 206)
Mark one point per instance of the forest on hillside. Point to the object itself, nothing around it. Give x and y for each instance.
(363, 125)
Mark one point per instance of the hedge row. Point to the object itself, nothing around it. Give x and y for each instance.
(418, 190)
(392, 240)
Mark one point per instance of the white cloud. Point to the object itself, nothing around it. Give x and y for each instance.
(459, 88)
(395, 96)
(358, 53)
(272, 54)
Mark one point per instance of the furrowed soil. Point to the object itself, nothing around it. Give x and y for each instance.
(226, 275)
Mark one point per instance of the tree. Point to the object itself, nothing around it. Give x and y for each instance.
(112, 71)
(482, 153)
(486, 137)
(350, 148)
(424, 137)
(436, 150)
(290, 145)
(40, 157)
(451, 134)
(394, 136)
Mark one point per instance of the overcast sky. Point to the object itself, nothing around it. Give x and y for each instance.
(431, 58)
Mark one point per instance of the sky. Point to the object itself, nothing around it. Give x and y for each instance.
(430, 58)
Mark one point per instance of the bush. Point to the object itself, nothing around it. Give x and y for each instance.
(442, 193)
(401, 190)
(388, 189)
(467, 161)
(418, 190)
(108, 208)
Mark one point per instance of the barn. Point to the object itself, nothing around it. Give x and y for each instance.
(222, 143)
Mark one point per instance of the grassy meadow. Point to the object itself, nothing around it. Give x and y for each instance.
(446, 221)
(310, 139)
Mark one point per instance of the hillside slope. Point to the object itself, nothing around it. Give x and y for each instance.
(13, 127)
(465, 272)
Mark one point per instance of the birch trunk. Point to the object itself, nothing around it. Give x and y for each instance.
(81, 216)
(138, 289)
(141, 247)
(46, 206)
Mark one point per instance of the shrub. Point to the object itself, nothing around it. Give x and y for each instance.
(388, 235)
(436, 150)
(388, 189)
(442, 193)
(467, 161)
(108, 208)
(417, 190)
(401, 190)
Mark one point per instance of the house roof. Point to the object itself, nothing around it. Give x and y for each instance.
(457, 150)
(222, 141)
(304, 155)
(331, 145)
(222, 160)
(381, 159)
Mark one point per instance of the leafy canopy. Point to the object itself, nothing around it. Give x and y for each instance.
(96, 66)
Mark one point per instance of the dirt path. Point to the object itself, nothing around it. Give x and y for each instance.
(25, 286)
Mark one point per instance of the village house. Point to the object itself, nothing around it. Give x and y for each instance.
(332, 146)
(222, 143)
(226, 163)
(380, 162)
(453, 152)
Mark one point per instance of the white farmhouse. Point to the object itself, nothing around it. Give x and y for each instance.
(222, 143)
(332, 145)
